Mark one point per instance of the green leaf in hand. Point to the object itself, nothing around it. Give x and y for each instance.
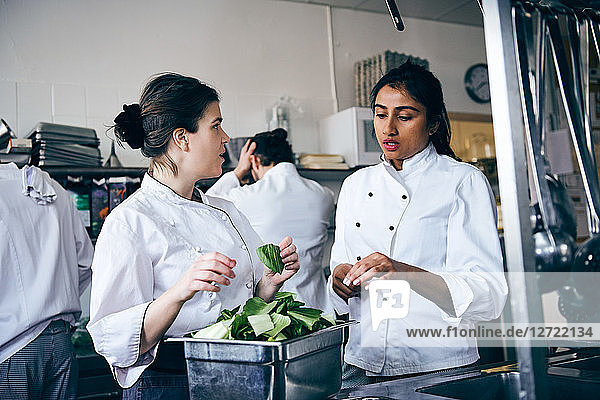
(270, 255)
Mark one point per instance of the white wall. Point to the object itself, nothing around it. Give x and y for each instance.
(77, 62)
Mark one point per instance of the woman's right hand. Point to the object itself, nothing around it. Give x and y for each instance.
(338, 276)
(244, 164)
(205, 270)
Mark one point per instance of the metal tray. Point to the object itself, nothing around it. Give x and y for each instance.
(68, 130)
(308, 367)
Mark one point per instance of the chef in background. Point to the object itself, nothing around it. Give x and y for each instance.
(281, 202)
(45, 255)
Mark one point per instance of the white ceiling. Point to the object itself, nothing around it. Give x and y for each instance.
(464, 12)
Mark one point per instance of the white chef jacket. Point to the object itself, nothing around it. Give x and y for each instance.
(146, 244)
(280, 204)
(41, 245)
(437, 214)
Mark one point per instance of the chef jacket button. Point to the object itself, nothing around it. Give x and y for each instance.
(404, 197)
(211, 295)
(172, 222)
(370, 194)
(249, 285)
(243, 247)
(391, 228)
(224, 218)
(197, 249)
(358, 224)
(358, 258)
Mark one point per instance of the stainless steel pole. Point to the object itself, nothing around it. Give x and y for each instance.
(525, 299)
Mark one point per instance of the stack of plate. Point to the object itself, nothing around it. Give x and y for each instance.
(64, 145)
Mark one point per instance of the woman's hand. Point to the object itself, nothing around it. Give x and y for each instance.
(370, 266)
(289, 256)
(338, 276)
(244, 164)
(206, 270)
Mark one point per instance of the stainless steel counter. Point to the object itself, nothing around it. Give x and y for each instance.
(568, 376)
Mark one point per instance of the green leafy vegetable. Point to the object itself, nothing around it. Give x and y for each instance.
(261, 323)
(283, 318)
(257, 305)
(270, 255)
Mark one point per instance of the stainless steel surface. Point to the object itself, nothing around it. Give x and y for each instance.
(554, 246)
(570, 375)
(308, 367)
(525, 300)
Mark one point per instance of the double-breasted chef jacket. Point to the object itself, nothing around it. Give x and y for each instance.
(437, 214)
(282, 204)
(145, 246)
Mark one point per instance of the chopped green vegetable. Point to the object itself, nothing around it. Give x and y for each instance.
(280, 322)
(261, 323)
(270, 255)
(220, 330)
(257, 305)
(283, 318)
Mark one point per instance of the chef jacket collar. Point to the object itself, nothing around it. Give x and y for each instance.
(168, 194)
(282, 167)
(414, 163)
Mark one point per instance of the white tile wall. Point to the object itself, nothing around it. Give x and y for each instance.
(8, 104)
(68, 100)
(34, 102)
(102, 101)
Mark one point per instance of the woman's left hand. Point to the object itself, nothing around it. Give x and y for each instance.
(370, 266)
(289, 256)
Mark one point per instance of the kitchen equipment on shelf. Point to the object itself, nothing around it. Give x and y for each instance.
(350, 133)
(580, 296)
(553, 217)
(235, 369)
(112, 161)
(5, 134)
(64, 145)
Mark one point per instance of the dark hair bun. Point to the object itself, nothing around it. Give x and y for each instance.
(128, 126)
(279, 133)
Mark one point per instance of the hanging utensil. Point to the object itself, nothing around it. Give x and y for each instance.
(587, 256)
(553, 245)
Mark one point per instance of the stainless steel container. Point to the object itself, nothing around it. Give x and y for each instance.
(308, 367)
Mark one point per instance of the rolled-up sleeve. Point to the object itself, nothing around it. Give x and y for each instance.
(473, 270)
(338, 253)
(122, 289)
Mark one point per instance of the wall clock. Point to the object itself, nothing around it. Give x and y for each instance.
(477, 83)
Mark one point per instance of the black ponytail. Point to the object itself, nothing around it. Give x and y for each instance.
(272, 147)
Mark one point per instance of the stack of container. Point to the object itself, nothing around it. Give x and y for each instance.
(65, 146)
(368, 71)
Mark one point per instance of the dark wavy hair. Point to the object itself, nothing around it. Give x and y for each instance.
(272, 147)
(425, 88)
(169, 101)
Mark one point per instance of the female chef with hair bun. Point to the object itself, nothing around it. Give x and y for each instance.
(423, 217)
(169, 258)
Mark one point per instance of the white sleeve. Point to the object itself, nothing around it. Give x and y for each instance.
(474, 270)
(338, 253)
(122, 289)
(224, 185)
